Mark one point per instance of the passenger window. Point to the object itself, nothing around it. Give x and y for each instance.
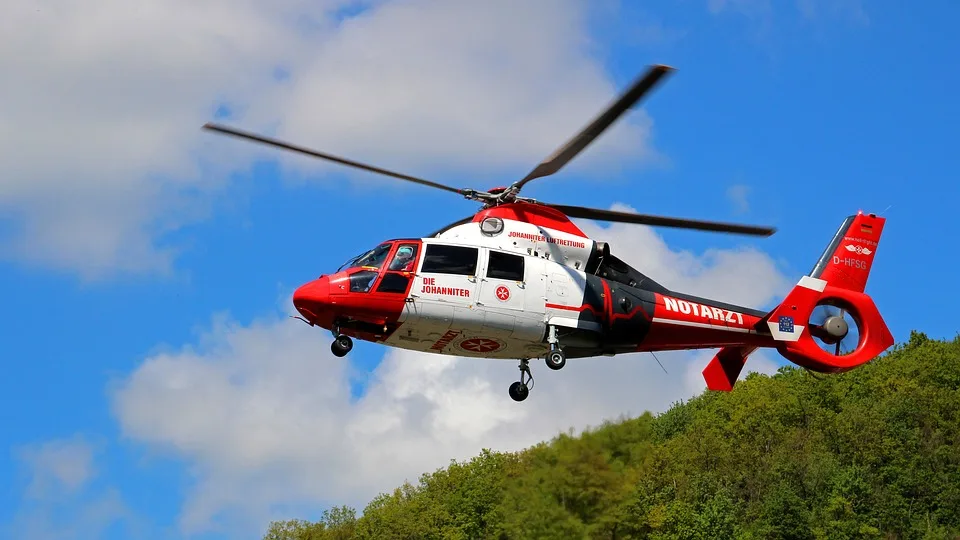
(393, 283)
(441, 259)
(505, 266)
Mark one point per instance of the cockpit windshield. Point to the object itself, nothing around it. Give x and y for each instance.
(370, 259)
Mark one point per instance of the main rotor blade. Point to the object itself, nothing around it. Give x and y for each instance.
(574, 146)
(313, 153)
(660, 221)
(467, 219)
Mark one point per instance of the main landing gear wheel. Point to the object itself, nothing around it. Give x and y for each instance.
(556, 359)
(521, 389)
(341, 345)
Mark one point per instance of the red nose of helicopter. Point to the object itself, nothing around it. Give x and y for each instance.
(312, 299)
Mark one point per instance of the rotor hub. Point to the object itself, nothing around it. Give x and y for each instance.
(836, 327)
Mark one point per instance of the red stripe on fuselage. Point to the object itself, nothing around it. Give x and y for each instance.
(600, 313)
(607, 304)
(584, 307)
(630, 314)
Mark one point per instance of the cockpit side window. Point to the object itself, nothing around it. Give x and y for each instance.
(394, 282)
(404, 258)
(398, 275)
(362, 280)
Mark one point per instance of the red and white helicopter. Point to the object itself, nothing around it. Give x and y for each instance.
(519, 280)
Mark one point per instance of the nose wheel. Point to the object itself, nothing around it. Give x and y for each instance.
(341, 345)
(521, 389)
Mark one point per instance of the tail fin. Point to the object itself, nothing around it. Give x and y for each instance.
(838, 279)
(848, 258)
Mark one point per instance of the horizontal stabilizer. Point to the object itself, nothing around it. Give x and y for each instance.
(724, 369)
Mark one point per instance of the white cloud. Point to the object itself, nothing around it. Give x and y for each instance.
(737, 194)
(60, 501)
(263, 416)
(58, 466)
(744, 275)
(99, 127)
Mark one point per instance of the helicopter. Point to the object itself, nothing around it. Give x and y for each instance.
(520, 280)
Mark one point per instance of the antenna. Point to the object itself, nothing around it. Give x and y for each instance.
(658, 361)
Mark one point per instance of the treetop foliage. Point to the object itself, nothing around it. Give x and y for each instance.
(872, 453)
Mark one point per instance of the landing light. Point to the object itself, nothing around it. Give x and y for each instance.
(491, 226)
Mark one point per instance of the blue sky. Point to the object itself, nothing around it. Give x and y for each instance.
(146, 265)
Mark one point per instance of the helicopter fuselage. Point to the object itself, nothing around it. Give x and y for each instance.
(520, 280)
(493, 287)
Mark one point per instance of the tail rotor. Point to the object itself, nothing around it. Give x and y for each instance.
(834, 329)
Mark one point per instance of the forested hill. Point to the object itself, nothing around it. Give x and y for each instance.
(873, 453)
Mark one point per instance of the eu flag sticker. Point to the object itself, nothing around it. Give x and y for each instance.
(786, 324)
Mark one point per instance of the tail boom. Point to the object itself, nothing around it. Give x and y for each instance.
(685, 322)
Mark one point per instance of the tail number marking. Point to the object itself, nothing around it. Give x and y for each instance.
(851, 262)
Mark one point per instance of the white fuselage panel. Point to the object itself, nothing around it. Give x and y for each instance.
(496, 305)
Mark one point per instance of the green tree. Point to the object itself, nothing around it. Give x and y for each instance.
(871, 453)
(296, 529)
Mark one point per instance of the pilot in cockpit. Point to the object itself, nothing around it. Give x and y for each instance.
(403, 260)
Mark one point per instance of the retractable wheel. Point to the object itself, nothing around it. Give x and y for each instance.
(519, 391)
(556, 359)
(341, 346)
